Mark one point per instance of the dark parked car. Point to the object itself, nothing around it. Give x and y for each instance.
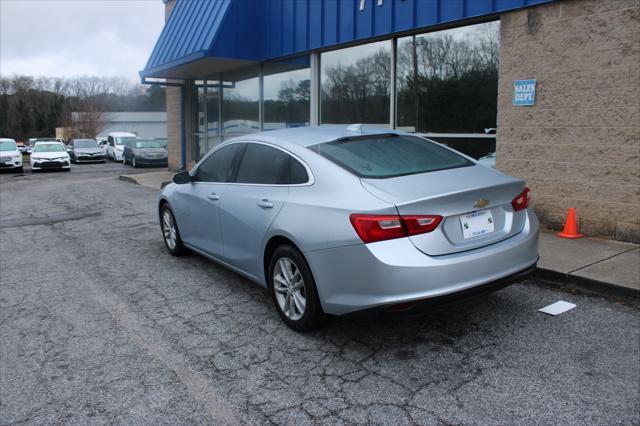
(85, 151)
(144, 152)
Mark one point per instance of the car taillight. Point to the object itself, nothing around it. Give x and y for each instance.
(372, 228)
(421, 224)
(521, 201)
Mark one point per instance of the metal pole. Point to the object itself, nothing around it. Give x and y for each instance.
(261, 96)
(314, 116)
(393, 87)
(183, 138)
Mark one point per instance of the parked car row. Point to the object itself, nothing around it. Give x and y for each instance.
(49, 153)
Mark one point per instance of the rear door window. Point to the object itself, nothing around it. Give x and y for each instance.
(266, 165)
(218, 167)
(390, 155)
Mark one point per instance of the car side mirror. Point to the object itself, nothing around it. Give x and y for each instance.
(182, 177)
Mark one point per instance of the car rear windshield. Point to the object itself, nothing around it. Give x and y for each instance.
(391, 155)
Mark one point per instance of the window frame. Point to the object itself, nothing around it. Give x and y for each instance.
(238, 158)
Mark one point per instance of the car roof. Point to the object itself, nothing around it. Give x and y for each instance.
(313, 135)
(7, 140)
(48, 142)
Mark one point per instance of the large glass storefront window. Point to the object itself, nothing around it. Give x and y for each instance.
(447, 82)
(355, 84)
(240, 97)
(287, 93)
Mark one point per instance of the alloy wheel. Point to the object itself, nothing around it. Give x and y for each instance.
(169, 229)
(289, 288)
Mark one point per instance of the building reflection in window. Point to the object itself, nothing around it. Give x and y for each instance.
(240, 98)
(355, 84)
(287, 91)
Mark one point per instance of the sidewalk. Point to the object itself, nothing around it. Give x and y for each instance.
(592, 264)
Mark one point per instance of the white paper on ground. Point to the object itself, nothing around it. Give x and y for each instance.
(557, 308)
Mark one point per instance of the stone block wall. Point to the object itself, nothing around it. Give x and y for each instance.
(579, 145)
(173, 110)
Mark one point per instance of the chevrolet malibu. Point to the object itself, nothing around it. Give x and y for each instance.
(338, 220)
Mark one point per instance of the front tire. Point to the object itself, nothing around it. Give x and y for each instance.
(133, 162)
(170, 233)
(293, 290)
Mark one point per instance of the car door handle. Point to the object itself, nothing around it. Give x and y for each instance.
(213, 196)
(265, 204)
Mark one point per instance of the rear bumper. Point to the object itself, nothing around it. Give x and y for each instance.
(386, 273)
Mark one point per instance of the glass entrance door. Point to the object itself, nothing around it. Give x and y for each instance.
(212, 112)
(206, 128)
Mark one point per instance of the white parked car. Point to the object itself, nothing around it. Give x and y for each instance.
(10, 155)
(48, 156)
(115, 144)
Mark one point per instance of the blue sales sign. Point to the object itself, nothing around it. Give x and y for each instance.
(524, 92)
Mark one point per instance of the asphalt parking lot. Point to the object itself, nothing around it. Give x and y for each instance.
(99, 324)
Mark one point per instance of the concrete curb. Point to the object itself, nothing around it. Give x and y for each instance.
(584, 285)
(128, 179)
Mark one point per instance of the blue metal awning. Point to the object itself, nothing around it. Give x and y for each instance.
(188, 35)
(203, 37)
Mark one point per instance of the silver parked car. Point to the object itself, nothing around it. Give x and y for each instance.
(85, 151)
(336, 220)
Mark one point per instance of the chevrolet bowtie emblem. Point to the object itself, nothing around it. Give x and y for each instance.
(481, 203)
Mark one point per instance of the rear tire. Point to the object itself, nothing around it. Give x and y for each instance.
(170, 232)
(293, 290)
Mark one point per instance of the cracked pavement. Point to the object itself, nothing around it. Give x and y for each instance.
(99, 324)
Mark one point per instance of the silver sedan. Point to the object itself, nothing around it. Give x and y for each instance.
(336, 220)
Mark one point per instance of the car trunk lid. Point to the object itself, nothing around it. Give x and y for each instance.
(455, 193)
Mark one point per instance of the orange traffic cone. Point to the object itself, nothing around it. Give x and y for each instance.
(570, 227)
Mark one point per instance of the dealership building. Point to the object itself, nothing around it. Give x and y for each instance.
(548, 89)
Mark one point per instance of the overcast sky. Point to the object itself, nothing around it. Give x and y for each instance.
(88, 37)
